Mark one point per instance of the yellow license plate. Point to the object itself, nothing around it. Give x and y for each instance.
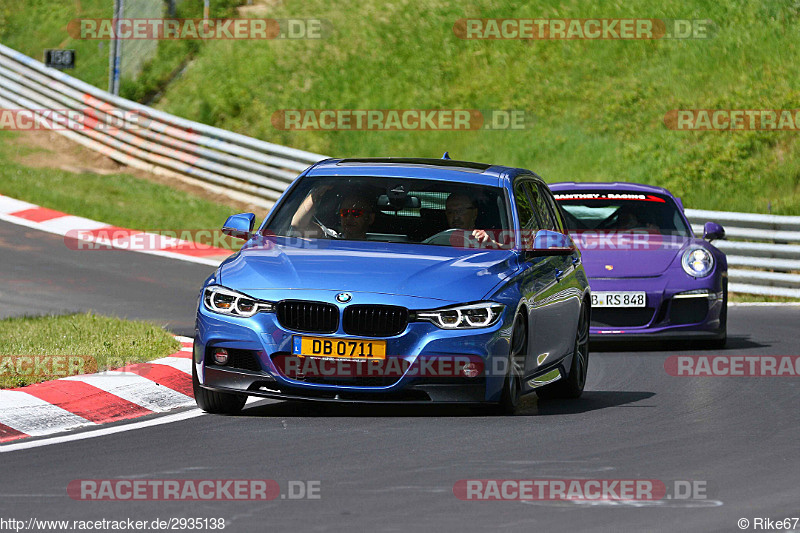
(303, 345)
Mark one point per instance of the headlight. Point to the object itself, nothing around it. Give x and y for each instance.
(479, 315)
(227, 302)
(697, 262)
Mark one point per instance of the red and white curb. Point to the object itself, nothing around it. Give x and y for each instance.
(89, 400)
(52, 221)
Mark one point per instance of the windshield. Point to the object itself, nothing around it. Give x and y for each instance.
(405, 210)
(621, 212)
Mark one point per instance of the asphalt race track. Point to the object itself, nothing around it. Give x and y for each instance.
(394, 468)
(39, 274)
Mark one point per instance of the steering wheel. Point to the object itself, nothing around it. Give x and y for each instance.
(328, 232)
(445, 238)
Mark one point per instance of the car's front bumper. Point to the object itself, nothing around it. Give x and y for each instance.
(266, 341)
(672, 310)
(267, 386)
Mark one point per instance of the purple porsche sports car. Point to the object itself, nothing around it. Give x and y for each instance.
(650, 276)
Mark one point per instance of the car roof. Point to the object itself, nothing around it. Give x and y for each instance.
(611, 185)
(402, 167)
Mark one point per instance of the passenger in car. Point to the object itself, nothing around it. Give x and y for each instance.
(306, 219)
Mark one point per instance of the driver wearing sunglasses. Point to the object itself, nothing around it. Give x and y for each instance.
(356, 216)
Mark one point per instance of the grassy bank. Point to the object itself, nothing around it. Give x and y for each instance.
(118, 199)
(31, 26)
(597, 106)
(75, 344)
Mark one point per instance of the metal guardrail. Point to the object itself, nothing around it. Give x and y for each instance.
(257, 171)
(236, 165)
(762, 255)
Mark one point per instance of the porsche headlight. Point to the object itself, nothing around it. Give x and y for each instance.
(470, 316)
(697, 262)
(227, 302)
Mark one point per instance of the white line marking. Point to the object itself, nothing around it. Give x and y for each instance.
(763, 304)
(167, 419)
(63, 225)
(178, 363)
(12, 205)
(36, 417)
(136, 389)
(25, 222)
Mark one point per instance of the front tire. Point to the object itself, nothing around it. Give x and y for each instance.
(512, 387)
(720, 342)
(222, 403)
(572, 386)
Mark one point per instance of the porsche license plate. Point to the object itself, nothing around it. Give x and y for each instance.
(619, 299)
(306, 346)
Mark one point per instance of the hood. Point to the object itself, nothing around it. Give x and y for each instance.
(438, 272)
(629, 259)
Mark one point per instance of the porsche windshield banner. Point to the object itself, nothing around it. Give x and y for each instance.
(608, 196)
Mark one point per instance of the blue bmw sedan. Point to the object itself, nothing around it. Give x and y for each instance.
(397, 280)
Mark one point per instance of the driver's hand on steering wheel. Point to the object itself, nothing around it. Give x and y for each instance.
(480, 235)
(484, 239)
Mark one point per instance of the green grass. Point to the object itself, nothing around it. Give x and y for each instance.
(31, 26)
(118, 199)
(75, 344)
(740, 297)
(597, 106)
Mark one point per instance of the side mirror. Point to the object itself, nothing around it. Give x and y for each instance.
(547, 242)
(239, 226)
(712, 231)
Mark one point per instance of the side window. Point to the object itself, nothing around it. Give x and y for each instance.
(545, 194)
(525, 211)
(540, 202)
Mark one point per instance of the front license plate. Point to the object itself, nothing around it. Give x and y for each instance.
(618, 299)
(303, 345)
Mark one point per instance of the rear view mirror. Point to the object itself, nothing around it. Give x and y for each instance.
(712, 231)
(239, 226)
(406, 202)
